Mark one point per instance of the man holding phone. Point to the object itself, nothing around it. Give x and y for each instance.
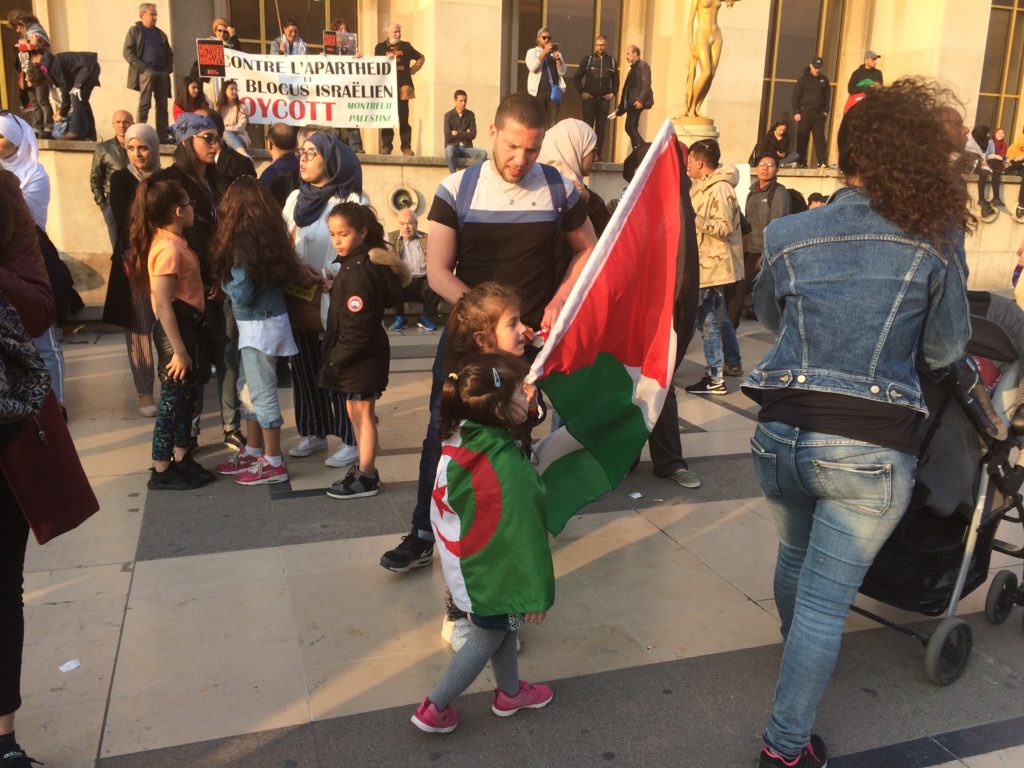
(546, 80)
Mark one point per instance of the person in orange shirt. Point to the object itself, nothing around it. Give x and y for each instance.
(164, 266)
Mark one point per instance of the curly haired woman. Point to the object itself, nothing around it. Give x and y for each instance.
(858, 290)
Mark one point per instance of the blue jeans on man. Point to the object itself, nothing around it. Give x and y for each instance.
(720, 344)
(453, 152)
(837, 500)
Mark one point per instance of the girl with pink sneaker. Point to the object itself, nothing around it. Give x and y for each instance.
(253, 257)
(489, 515)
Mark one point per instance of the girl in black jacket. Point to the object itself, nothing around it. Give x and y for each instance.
(367, 279)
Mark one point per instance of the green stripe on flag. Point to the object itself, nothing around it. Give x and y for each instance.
(597, 400)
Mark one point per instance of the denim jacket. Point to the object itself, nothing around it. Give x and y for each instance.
(251, 301)
(858, 304)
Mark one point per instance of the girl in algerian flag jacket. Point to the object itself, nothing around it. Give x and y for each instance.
(489, 514)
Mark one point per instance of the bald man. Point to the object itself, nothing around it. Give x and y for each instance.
(408, 61)
(109, 156)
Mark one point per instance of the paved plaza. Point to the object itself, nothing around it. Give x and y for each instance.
(254, 628)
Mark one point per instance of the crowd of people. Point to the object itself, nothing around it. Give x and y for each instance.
(286, 279)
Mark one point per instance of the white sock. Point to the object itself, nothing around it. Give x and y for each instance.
(254, 452)
(274, 461)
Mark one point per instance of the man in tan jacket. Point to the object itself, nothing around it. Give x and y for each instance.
(720, 246)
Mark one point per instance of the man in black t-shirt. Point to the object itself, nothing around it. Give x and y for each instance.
(409, 61)
(508, 235)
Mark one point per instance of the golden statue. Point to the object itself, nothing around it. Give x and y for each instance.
(705, 50)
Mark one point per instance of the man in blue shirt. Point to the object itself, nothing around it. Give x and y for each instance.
(150, 63)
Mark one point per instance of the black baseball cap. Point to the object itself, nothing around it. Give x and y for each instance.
(817, 63)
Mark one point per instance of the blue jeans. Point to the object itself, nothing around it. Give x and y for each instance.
(53, 357)
(453, 152)
(257, 388)
(835, 502)
(720, 343)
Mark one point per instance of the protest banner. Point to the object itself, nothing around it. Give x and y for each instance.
(340, 43)
(210, 57)
(342, 93)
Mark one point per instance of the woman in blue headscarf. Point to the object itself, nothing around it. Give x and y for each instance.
(331, 174)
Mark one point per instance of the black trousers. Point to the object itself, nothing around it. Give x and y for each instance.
(418, 290)
(318, 413)
(13, 540)
(811, 125)
(387, 135)
(633, 126)
(223, 340)
(595, 114)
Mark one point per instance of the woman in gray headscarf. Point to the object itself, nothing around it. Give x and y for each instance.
(122, 307)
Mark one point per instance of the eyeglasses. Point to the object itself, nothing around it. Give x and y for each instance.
(545, 37)
(209, 138)
(306, 154)
(187, 204)
(222, 29)
(766, 165)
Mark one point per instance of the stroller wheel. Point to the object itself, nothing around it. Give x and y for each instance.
(948, 650)
(1001, 597)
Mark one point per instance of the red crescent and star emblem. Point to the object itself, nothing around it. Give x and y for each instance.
(355, 303)
(487, 491)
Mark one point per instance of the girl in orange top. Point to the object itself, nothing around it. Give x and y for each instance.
(163, 265)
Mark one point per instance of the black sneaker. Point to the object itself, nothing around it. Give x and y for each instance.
(814, 755)
(707, 386)
(193, 468)
(355, 485)
(14, 757)
(234, 439)
(413, 552)
(174, 478)
(735, 371)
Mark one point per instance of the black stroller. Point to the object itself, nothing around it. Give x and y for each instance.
(966, 486)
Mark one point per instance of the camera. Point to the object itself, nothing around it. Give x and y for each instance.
(554, 47)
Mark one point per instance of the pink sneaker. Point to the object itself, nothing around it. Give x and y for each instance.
(529, 697)
(240, 462)
(429, 718)
(262, 473)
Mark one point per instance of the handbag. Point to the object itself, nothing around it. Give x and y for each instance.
(24, 380)
(303, 304)
(556, 90)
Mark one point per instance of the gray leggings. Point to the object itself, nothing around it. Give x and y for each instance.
(497, 645)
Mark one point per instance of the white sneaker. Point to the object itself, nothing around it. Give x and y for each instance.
(347, 454)
(455, 633)
(308, 446)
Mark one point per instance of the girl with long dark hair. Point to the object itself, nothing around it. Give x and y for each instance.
(163, 265)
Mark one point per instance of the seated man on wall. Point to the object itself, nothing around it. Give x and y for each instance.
(410, 245)
(459, 133)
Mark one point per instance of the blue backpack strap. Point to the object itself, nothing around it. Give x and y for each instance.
(556, 186)
(467, 187)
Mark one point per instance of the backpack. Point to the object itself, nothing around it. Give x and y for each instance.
(470, 177)
(797, 202)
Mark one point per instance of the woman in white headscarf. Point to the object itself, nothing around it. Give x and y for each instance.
(569, 146)
(132, 310)
(19, 154)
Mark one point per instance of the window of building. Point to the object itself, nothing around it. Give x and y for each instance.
(1000, 91)
(798, 30)
(257, 21)
(574, 24)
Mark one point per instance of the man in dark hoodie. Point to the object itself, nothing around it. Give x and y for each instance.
(812, 99)
(866, 76)
(74, 75)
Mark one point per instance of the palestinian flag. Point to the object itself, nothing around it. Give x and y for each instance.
(489, 515)
(610, 357)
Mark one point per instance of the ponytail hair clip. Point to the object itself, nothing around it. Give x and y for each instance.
(497, 378)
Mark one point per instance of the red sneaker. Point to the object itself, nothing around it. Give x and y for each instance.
(529, 697)
(239, 463)
(262, 473)
(429, 718)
